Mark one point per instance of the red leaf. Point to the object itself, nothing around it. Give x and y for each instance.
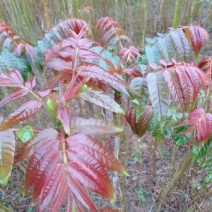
(83, 167)
(22, 113)
(12, 96)
(63, 115)
(96, 72)
(44, 93)
(30, 147)
(197, 36)
(132, 72)
(206, 66)
(28, 48)
(57, 173)
(108, 29)
(12, 79)
(94, 148)
(30, 83)
(173, 83)
(201, 125)
(37, 171)
(140, 127)
(92, 126)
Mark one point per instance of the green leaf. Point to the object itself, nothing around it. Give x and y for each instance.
(25, 133)
(7, 149)
(203, 150)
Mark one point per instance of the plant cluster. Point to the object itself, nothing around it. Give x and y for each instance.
(170, 96)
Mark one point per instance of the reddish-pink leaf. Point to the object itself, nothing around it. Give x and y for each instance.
(29, 148)
(186, 87)
(44, 93)
(80, 195)
(12, 96)
(43, 171)
(28, 48)
(51, 187)
(201, 125)
(96, 72)
(12, 79)
(94, 148)
(92, 126)
(22, 113)
(56, 174)
(206, 66)
(30, 83)
(108, 29)
(197, 36)
(83, 167)
(133, 72)
(129, 53)
(7, 149)
(37, 171)
(8, 37)
(194, 78)
(63, 115)
(173, 83)
(139, 127)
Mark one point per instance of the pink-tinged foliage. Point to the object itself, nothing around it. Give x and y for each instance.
(72, 27)
(205, 65)
(92, 126)
(12, 79)
(57, 173)
(95, 72)
(109, 29)
(132, 72)
(197, 37)
(28, 48)
(29, 148)
(129, 54)
(63, 115)
(12, 96)
(31, 83)
(139, 127)
(98, 97)
(7, 32)
(27, 109)
(184, 81)
(44, 93)
(200, 125)
(7, 149)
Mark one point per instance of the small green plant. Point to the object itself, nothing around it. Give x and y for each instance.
(138, 152)
(142, 195)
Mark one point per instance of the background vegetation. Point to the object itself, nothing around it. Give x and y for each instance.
(140, 18)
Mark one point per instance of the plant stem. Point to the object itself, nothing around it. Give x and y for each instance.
(176, 20)
(156, 143)
(183, 166)
(117, 141)
(173, 161)
(195, 172)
